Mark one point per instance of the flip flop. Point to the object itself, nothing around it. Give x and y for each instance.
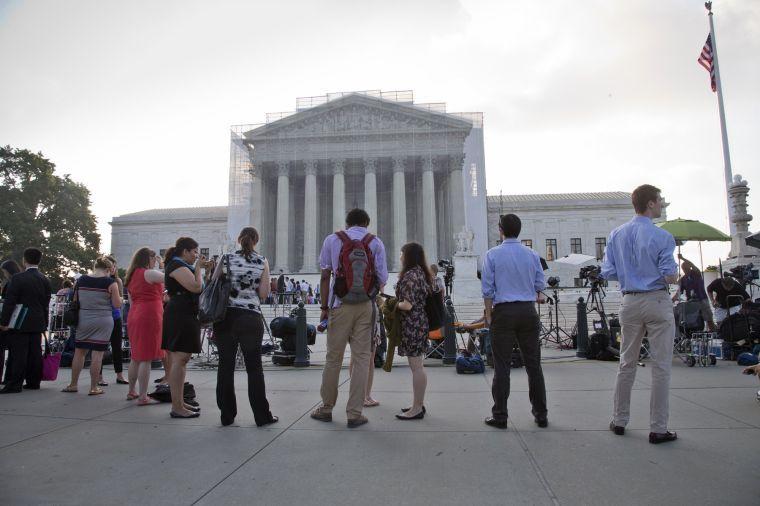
(122, 382)
(131, 397)
(147, 402)
(371, 403)
(70, 390)
(97, 391)
(102, 383)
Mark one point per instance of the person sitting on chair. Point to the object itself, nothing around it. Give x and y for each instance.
(726, 296)
(692, 284)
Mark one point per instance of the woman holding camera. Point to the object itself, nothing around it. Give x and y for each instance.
(414, 285)
(243, 326)
(181, 335)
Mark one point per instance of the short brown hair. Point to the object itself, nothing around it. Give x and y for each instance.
(103, 263)
(642, 196)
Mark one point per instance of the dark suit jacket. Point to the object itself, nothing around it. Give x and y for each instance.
(32, 289)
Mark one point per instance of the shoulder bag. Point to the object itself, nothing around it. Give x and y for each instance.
(212, 304)
(71, 315)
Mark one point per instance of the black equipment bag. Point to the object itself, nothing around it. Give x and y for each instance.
(435, 311)
(163, 393)
(212, 304)
(284, 327)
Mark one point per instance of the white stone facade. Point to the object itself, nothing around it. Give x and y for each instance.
(417, 170)
(158, 229)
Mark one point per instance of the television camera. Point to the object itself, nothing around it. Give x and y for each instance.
(448, 274)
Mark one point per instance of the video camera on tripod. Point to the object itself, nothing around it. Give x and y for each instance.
(448, 274)
(590, 275)
(744, 274)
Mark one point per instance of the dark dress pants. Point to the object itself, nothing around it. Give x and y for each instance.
(510, 322)
(117, 338)
(24, 360)
(244, 329)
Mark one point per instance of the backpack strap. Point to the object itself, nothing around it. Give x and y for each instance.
(343, 236)
(367, 239)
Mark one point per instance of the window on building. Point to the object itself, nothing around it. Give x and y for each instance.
(204, 252)
(551, 250)
(601, 244)
(528, 243)
(575, 245)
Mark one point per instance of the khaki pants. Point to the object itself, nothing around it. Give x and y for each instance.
(650, 312)
(348, 324)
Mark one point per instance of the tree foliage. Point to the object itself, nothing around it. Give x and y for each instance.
(46, 211)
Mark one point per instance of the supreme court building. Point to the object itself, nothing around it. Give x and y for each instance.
(415, 168)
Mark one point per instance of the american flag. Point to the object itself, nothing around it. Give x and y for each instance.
(706, 60)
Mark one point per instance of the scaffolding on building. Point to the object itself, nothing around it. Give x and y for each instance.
(356, 134)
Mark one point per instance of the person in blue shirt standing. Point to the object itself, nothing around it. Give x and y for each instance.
(640, 256)
(512, 280)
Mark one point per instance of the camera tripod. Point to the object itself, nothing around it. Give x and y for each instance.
(555, 334)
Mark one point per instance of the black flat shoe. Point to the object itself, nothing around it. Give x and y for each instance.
(227, 421)
(493, 422)
(122, 382)
(656, 438)
(30, 387)
(617, 429)
(177, 415)
(542, 421)
(404, 410)
(273, 419)
(418, 416)
(192, 403)
(194, 409)
(10, 391)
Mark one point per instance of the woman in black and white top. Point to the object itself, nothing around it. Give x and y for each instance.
(243, 326)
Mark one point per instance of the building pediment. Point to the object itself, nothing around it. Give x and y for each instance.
(359, 114)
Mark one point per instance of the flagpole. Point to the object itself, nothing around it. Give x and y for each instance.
(723, 133)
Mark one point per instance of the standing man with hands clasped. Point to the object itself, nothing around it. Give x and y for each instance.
(512, 280)
(640, 256)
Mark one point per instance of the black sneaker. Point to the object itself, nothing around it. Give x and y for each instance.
(657, 438)
(617, 429)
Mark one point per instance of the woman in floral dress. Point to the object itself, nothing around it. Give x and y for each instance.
(414, 285)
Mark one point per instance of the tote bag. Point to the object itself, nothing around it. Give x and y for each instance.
(50, 363)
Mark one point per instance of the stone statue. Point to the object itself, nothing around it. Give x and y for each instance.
(464, 240)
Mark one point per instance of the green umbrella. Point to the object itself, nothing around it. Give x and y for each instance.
(692, 230)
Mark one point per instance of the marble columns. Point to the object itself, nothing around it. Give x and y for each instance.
(339, 195)
(429, 221)
(310, 217)
(399, 211)
(283, 217)
(456, 193)
(370, 192)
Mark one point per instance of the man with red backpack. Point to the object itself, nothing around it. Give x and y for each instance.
(354, 260)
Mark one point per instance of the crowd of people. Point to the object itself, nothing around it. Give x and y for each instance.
(164, 301)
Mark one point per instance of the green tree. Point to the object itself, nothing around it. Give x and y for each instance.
(46, 211)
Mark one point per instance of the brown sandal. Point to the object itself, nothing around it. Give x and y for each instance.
(70, 390)
(97, 391)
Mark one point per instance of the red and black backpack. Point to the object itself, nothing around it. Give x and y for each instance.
(355, 279)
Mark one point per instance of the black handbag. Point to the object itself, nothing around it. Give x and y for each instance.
(435, 311)
(71, 314)
(212, 304)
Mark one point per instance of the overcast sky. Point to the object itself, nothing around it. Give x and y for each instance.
(135, 99)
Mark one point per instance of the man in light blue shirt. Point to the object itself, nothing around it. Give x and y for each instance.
(640, 256)
(512, 280)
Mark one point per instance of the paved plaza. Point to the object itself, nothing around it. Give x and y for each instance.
(58, 448)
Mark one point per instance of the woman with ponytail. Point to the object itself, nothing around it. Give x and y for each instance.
(243, 326)
(181, 333)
